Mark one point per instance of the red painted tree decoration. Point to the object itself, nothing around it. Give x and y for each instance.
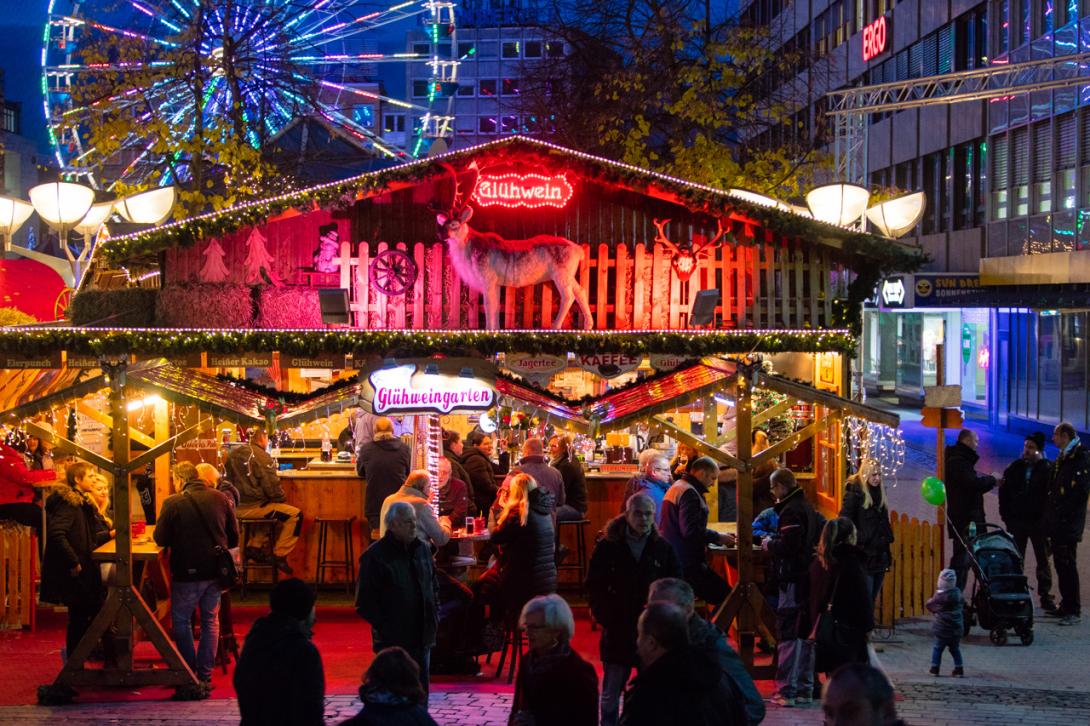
(686, 256)
(213, 269)
(258, 261)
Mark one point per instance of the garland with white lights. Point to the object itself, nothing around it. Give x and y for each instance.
(179, 341)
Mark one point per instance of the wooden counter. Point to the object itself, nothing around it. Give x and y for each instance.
(324, 493)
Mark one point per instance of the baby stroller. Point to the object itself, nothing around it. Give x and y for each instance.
(1000, 600)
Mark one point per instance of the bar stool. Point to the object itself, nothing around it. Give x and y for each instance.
(227, 648)
(580, 564)
(248, 527)
(349, 560)
(512, 639)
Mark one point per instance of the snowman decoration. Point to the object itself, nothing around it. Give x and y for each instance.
(329, 244)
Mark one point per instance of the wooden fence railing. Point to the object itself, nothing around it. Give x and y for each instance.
(760, 285)
(917, 561)
(17, 575)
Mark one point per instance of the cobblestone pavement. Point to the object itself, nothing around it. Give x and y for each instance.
(931, 704)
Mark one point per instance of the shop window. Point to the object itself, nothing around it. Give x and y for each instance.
(1049, 367)
(509, 49)
(1073, 376)
(467, 51)
(486, 124)
(510, 86)
(532, 49)
(509, 124)
(487, 87)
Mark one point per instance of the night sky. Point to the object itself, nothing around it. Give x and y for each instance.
(21, 23)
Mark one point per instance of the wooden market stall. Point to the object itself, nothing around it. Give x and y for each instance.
(249, 291)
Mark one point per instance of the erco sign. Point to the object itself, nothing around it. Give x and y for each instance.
(875, 36)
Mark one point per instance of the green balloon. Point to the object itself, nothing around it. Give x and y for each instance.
(933, 491)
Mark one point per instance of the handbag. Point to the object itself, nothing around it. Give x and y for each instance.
(226, 570)
(835, 643)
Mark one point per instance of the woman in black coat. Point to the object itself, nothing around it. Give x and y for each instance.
(391, 693)
(74, 529)
(526, 565)
(838, 589)
(865, 505)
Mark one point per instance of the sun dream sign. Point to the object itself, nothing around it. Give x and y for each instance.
(405, 389)
(523, 190)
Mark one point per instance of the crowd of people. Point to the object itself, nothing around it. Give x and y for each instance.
(647, 585)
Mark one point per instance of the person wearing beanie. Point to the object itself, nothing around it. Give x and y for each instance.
(279, 677)
(1023, 494)
(949, 609)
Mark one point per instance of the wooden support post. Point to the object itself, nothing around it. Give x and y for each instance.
(162, 464)
(123, 602)
(744, 493)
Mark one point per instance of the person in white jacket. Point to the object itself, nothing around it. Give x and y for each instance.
(416, 491)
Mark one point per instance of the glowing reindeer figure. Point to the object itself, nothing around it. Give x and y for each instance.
(485, 262)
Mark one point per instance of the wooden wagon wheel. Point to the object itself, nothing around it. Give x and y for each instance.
(392, 272)
(60, 305)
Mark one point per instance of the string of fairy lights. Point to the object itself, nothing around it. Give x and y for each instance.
(869, 440)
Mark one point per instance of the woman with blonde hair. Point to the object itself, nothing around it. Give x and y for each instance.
(838, 590)
(865, 505)
(526, 565)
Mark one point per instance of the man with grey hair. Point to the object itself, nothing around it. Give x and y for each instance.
(792, 550)
(193, 523)
(547, 476)
(416, 492)
(653, 479)
(397, 592)
(684, 524)
(749, 706)
(628, 557)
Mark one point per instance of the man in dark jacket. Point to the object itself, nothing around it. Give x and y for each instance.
(627, 559)
(792, 549)
(1023, 494)
(1066, 516)
(676, 684)
(253, 471)
(548, 478)
(575, 481)
(684, 524)
(965, 491)
(477, 462)
(279, 678)
(384, 462)
(747, 705)
(193, 523)
(397, 591)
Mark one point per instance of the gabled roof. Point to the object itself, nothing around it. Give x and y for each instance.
(146, 244)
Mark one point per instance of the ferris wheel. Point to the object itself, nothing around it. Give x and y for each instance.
(186, 65)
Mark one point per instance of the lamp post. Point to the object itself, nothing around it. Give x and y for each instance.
(13, 214)
(150, 207)
(839, 204)
(89, 227)
(63, 205)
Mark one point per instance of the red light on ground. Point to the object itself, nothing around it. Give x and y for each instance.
(875, 36)
(523, 190)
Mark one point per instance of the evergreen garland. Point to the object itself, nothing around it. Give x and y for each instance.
(290, 398)
(173, 342)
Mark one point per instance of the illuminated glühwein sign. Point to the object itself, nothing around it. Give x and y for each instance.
(403, 389)
(875, 37)
(523, 190)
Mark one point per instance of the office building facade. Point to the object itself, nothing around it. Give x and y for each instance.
(1008, 193)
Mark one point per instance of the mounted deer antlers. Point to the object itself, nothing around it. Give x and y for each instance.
(686, 255)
